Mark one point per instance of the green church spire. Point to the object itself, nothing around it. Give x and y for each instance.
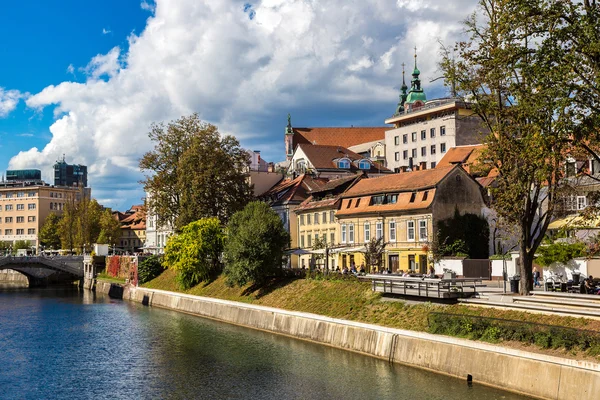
(416, 92)
(403, 94)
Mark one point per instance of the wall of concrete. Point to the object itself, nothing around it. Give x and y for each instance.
(533, 374)
(10, 276)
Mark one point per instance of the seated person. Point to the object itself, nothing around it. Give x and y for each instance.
(589, 286)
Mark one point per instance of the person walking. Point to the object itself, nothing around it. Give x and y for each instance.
(536, 277)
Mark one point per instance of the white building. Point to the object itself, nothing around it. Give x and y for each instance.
(156, 236)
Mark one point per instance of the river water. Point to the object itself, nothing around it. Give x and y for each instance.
(65, 344)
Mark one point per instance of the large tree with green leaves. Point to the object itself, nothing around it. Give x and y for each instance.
(195, 252)
(110, 229)
(514, 71)
(255, 244)
(79, 225)
(49, 235)
(193, 172)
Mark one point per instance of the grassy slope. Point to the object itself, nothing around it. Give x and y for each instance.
(352, 300)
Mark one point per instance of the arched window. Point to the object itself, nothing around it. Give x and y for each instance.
(364, 164)
(344, 163)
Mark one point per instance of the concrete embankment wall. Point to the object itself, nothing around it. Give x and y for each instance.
(10, 276)
(533, 374)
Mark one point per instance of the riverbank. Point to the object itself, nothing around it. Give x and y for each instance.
(538, 375)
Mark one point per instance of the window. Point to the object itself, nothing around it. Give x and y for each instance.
(20, 220)
(301, 165)
(414, 136)
(20, 207)
(422, 229)
(351, 233)
(414, 153)
(8, 232)
(378, 230)
(51, 194)
(423, 134)
(423, 151)
(20, 231)
(442, 147)
(432, 149)
(309, 240)
(405, 138)
(20, 194)
(30, 194)
(308, 220)
(442, 131)
(397, 156)
(392, 231)
(581, 202)
(410, 230)
(8, 220)
(9, 195)
(316, 238)
(331, 215)
(364, 164)
(405, 154)
(343, 233)
(433, 164)
(8, 207)
(367, 231)
(396, 140)
(31, 231)
(302, 219)
(324, 216)
(345, 164)
(316, 218)
(332, 237)
(432, 133)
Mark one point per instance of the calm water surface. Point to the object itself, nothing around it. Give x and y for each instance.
(65, 344)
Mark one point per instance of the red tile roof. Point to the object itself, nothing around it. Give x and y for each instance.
(362, 205)
(292, 189)
(461, 155)
(401, 182)
(344, 137)
(322, 157)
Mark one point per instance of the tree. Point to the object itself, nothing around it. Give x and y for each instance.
(374, 250)
(194, 173)
(49, 232)
(255, 245)
(79, 225)
(462, 234)
(21, 245)
(110, 229)
(508, 69)
(149, 269)
(195, 253)
(560, 252)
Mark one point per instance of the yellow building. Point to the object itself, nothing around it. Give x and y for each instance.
(317, 222)
(24, 207)
(133, 229)
(404, 209)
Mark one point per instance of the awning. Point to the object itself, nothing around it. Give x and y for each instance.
(299, 252)
(357, 249)
(575, 222)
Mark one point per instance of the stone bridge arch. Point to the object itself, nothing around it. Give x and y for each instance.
(41, 270)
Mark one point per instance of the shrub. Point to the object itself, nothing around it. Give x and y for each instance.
(149, 269)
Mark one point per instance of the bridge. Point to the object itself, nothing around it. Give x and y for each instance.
(41, 270)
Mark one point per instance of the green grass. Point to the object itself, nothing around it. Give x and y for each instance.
(110, 279)
(354, 300)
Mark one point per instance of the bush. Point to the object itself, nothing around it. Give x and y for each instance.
(195, 252)
(255, 245)
(149, 269)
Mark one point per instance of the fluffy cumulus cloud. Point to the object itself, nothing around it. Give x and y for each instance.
(242, 66)
(8, 101)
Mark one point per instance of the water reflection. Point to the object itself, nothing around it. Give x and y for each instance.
(59, 343)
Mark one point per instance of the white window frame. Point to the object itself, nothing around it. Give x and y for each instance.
(410, 231)
(581, 202)
(367, 232)
(378, 229)
(392, 228)
(343, 233)
(350, 233)
(423, 225)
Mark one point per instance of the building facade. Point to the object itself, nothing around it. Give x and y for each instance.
(70, 174)
(24, 208)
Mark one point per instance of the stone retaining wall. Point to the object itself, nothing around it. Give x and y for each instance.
(532, 374)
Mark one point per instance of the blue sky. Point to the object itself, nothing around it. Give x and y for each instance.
(90, 77)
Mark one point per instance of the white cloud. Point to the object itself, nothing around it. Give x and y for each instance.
(25, 134)
(8, 101)
(71, 69)
(241, 74)
(106, 31)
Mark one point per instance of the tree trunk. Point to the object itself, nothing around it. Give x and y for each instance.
(525, 270)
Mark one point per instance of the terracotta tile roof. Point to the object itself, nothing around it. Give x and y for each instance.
(401, 182)
(461, 155)
(311, 204)
(323, 157)
(335, 183)
(292, 189)
(344, 137)
(362, 205)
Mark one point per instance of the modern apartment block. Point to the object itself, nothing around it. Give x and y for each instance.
(425, 130)
(24, 207)
(70, 175)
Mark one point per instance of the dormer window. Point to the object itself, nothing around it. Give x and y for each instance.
(301, 165)
(364, 164)
(344, 163)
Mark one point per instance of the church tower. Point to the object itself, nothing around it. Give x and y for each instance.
(416, 96)
(289, 139)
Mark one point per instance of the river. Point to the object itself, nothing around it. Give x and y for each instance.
(66, 344)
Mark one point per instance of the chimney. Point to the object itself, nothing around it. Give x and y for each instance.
(423, 165)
